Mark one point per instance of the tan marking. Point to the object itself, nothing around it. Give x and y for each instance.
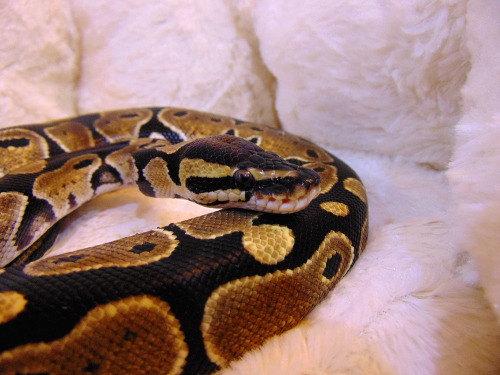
(336, 208)
(288, 146)
(13, 157)
(136, 335)
(194, 123)
(356, 187)
(255, 139)
(343, 246)
(240, 315)
(156, 172)
(123, 161)
(36, 166)
(131, 251)
(11, 304)
(118, 126)
(328, 174)
(268, 244)
(164, 119)
(57, 186)
(364, 236)
(71, 136)
(13, 206)
(166, 147)
(217, 223)
(201, 168)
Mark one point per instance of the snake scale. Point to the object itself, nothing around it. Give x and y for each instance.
(187, 298)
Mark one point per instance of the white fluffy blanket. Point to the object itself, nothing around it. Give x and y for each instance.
(407, 92)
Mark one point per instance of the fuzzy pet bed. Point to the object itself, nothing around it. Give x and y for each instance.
(406, 92)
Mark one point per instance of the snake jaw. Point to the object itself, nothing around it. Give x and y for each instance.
(280, 192)
(220, 198)
(302, 202)
(283, 204)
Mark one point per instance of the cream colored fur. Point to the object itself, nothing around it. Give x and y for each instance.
(407, 92)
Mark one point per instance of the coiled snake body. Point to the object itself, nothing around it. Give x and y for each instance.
(187, 298)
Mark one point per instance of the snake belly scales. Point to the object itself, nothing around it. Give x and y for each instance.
(187, 298)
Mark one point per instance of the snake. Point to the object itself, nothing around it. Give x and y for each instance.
(186, 298)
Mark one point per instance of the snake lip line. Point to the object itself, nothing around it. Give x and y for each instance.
(279, 204)
(283, 204)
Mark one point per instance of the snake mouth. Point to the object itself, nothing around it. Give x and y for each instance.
(283, 203)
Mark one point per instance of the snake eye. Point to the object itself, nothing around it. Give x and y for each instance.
(244, 179)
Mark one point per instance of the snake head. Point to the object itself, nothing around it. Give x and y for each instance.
(227, 171)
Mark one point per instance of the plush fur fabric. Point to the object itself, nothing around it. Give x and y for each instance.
(406, 92)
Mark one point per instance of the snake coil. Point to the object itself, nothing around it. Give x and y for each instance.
(187, 298)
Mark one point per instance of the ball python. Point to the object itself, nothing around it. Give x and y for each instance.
(187, 298)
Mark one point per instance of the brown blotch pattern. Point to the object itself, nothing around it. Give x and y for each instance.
(123, 161)
(12, 304)
(356, 187)
(240, 315)
(290, 146)
(165, 146)
(71, 136)
(131, 251)
(268, 244)
(13, 157)
(70, 182)
(104, 340)
(218, 223)
(328, 174)
(36, 166)
(364, 235)
(13, 206)
(156, 173)
(192, 124)
(118, 126)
